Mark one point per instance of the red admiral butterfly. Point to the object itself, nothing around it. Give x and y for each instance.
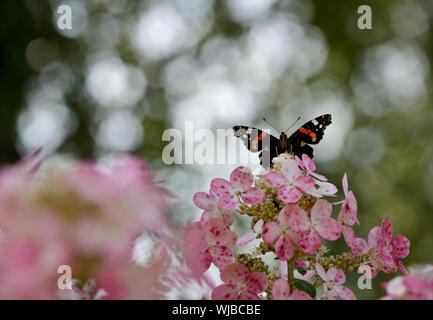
(257, 140)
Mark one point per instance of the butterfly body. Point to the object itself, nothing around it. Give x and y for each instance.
(298, 143)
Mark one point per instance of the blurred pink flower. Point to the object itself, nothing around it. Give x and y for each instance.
(416, 285)
(86, 216)
(290, 181)
(240, 284)
(320, 225)
(240, 185)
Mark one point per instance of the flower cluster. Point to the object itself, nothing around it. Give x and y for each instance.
(291, 218)
(86, 216)
(416, 285)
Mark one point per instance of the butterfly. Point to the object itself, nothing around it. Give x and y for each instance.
(257, 140)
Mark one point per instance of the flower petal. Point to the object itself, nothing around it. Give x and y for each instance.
(345, 185)
(390, 268)
(386, 230)
(241, 178)
(385, 253)
(275, 179)
(400, 246)
(321, 272)
(290, 169)
(221, 256)
(228, 202)
(246, 238)
(204, 201)
(309, 241)
(284, 248)
(374, 236)
(319, 177)
(220, 187)
(234, 274)
(298, 219)
(301, 163)
(348, 210)
(337, 275)
(289, 194)
(281, 290)
(256, 282)
(309, 164)
(253, 195)
(217, 233)
(345, 293)
(197, 258)
(299, 295)
(326, 188)
(307, 276)
(401, 266)
(321, 210)
(225, 292)
(271, 232)
(359, 246)
(329, 229)
(217, 213)
(247, 295)
(304, 183)
(258, 227)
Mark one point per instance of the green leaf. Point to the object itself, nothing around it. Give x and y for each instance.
(305, 286)
(302, 271)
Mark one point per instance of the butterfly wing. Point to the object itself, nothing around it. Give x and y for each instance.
(257, 140)
(310, 133)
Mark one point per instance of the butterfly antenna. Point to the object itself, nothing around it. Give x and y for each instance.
(292, 124)
(271, 124)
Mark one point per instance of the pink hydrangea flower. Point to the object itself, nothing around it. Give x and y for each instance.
(392, 250)
(290, 181)
(281, 291)
(86, 215)
(334, 279)
(240, 284)
(207, 243)
(239, 186)
(320, 225)
(281, 234)
(209, 203)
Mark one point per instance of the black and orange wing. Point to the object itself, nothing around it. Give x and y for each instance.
(310, 133)
(257, 140)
